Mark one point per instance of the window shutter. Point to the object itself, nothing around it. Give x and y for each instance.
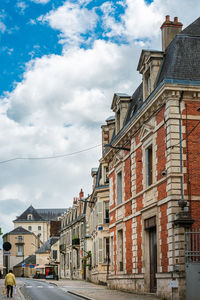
(100, 212)
(100, 250)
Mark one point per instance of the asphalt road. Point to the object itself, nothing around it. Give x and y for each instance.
(39, 290)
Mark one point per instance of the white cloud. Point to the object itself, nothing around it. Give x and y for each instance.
(58, 108)
(41, 1)
(21, 6)
(2, 27)
(72, 21)
(61, 102)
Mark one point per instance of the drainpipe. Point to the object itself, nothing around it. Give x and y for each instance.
(181, 202)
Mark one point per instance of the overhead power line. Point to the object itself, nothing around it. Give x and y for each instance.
(48, 157)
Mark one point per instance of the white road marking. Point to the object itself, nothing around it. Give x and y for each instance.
(29, 286)
(40, 286)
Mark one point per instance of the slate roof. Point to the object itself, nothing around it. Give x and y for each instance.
(40, 214)
(51, 213)
(19, 230)
(182, 56)
(47, 246)
(181, 62)
(30, 260)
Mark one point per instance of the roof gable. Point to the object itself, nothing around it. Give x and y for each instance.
(30, 211)
(193, 29)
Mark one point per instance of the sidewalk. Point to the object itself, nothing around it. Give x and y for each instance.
(97, 292)
(18, 295)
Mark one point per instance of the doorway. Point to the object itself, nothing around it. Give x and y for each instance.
(150, 227)
(153, 258)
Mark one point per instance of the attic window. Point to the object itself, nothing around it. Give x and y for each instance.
(30, 217)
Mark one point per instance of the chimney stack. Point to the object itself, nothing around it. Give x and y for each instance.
(169, 30)
(81, 194)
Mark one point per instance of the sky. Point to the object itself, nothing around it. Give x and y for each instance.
(61, 61)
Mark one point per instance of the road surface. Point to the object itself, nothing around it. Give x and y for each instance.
(39, 290)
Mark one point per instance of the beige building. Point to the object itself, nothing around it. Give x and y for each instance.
(72, 240)
(38, 220)
(98, 211)
(24, 243)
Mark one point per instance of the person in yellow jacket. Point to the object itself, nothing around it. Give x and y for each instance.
(9, 282)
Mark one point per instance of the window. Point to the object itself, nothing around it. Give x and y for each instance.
(20, 238)
(55, 254)
(39, 227)
(20, 250)
(119, 188)
(29, 217)
(106, 174)
(107, 250)
(112, 253)
(29, 227)
(120, 250)
(149, 164)
(67, 261)
(106, 212)
(78, 258)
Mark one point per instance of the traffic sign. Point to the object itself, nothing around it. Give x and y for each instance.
(6, 253)
(23, 265)
(7, 246)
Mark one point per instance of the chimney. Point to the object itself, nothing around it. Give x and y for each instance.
(107, 131)
(81, 194)
(169, 30)
(75, 200)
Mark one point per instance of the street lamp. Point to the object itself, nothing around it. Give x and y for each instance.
(118, 148)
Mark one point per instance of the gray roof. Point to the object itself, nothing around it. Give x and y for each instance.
(19, 230)
(30, 260)
(122, 94)
(193, 29)
(181, 63)
(111, 118)
(182, 56)
(47, 246)
(40, 214)
(51, 213)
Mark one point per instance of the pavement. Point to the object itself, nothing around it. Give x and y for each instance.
(91, 291)
(17, 296)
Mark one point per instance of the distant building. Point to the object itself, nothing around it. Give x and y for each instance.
(24, 243)
(38, 220)
(72, 240)
(98, 214)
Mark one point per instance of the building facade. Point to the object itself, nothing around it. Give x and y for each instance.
(24, 243)
(98, 214)
(154, 167)
(73, 240)
(38, 220)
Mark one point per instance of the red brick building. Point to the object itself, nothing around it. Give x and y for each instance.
(154, 167)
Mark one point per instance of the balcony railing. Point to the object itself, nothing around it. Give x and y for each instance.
(62, 247)
(75, 242)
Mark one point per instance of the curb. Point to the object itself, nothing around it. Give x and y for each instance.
(80, 296)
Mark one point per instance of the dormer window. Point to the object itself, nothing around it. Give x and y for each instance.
(120, 105)
(149, 66)
(30, 217)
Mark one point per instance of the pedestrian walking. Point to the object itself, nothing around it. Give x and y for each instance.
(9, 282)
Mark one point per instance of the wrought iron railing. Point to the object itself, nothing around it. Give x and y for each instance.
(192, 246)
